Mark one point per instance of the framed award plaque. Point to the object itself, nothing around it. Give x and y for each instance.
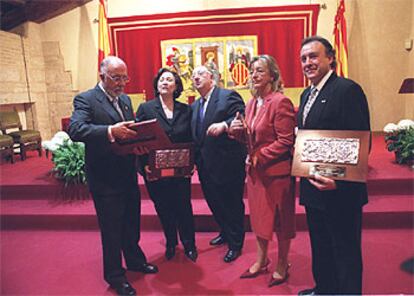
(176, 160)
(340, 155)
(149, 134)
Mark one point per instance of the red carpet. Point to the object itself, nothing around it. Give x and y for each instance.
(69, 263)
(51, 246)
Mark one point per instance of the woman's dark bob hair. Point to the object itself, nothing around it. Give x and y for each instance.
(178, 83)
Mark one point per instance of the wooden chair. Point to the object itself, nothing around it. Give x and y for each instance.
(6, 147)
(23, 139)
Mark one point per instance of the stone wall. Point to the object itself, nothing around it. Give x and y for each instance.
(58, 85)
(13, 83)
(33, 80)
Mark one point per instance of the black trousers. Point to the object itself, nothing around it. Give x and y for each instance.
(335, 236)
(226, 204)
(119, 223)
(172, 200)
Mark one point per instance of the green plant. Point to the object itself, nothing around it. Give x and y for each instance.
(69, 160)
(401, 141)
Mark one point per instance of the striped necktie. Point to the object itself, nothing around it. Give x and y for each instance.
(309, 103)
(115, 103)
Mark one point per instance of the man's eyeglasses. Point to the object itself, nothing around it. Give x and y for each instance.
(118, 79)
(199, 73)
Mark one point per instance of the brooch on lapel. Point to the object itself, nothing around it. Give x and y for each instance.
(323, 101)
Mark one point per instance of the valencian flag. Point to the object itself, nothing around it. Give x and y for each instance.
(104, 42)
(341, 45)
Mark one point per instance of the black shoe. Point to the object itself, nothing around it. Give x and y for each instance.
(192, 254)
(145, 268)
(124, 288)
(231, 255)
(218, 240)
(308, 292)
(169, 253)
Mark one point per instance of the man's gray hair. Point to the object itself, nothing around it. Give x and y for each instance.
(110, 60)
(214, 74)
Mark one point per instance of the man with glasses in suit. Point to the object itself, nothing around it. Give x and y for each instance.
(101, 116)
(219, 159)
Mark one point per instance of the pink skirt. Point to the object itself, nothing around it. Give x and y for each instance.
(272, 205)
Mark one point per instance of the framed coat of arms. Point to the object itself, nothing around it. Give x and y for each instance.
(228, 56)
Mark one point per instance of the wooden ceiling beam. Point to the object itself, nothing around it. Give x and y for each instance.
(14, 2)
(12, 18)
(39, 11)
(16, 12)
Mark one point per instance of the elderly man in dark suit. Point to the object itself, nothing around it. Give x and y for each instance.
(333, 208)
(219, 159)
(101, 116)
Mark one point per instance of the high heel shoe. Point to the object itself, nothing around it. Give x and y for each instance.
(248, 275)
(278, 281)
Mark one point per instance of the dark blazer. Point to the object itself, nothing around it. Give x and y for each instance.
(221, 157)
(177, 129)
(340, 105)
(107, 173)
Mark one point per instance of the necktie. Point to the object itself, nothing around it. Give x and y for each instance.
(309, 103)
(115, 102)
(200, 118)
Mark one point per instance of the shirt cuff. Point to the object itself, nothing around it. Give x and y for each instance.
(111, 138)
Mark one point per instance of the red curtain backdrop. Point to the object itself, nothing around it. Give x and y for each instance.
(279, 30)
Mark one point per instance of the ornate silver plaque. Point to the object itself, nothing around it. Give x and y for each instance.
(331, 150)
(337, 154)
(176, 160)
(172, 158)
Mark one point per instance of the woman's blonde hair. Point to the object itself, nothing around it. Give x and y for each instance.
(277, 83)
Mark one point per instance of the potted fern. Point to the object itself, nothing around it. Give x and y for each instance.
(69, 161)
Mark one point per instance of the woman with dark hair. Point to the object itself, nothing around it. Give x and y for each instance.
(269, 124)
(171, 196)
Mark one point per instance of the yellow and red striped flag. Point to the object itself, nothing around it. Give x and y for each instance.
(341, 44)
(104, 41)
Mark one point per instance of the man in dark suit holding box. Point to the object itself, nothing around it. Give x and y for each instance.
(100, 117)
(333, 208)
